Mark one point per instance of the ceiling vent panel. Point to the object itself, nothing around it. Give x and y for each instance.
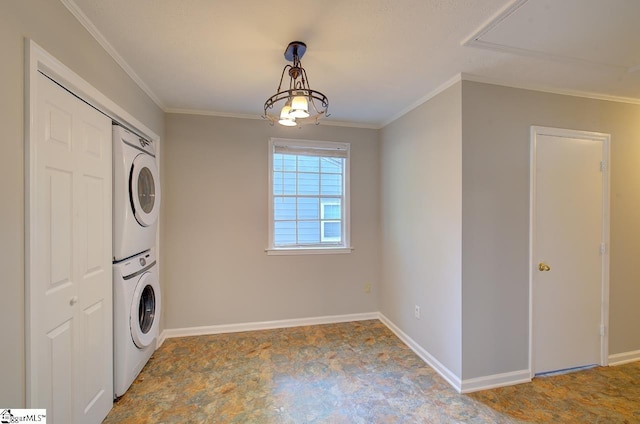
(589, 31)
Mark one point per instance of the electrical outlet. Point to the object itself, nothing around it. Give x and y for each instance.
(416, 312)
(367, 288)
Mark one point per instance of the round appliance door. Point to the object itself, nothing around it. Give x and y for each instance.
(145, 310)
(144, 190)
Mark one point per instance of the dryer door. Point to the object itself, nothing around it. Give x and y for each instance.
(144, 189)
(145, 310)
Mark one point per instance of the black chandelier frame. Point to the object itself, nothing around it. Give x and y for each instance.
(298, 86)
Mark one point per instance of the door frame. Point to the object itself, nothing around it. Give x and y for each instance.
(606, 185)
(37, 60)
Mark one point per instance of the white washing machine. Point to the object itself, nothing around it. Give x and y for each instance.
(136, 316)
(136, 194)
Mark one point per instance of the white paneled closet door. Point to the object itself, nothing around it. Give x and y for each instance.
(70, 299)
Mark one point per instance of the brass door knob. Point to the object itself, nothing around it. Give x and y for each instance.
(543, 267)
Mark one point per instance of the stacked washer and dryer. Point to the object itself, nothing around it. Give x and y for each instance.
(136, 291)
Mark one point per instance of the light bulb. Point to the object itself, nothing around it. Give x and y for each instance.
(287, 121)
(284, 113)
(299, 107)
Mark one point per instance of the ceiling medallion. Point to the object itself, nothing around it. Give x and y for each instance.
(299, 104)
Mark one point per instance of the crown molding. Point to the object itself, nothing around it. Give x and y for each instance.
(503, 83)
(349, 124)
(324, 122)
(204, 112)
(550, 90)
(433, 93)
(91, 28)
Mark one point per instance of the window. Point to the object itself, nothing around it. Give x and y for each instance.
(309, 196)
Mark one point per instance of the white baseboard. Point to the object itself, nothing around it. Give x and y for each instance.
(444, 372)
(462, 386)
(264, 325)
(497, 380)
(624, 358)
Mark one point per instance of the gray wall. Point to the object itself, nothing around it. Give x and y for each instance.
(455, 193)
(495, 218)
(50, 25)
(421, 225)
(215, 195)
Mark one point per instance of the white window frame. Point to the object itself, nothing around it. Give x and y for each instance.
(324, 220)
(345, 246)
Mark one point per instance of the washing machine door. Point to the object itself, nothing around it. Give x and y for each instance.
(144, 189)
(145, 310)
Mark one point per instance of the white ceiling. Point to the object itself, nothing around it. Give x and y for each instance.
(374, 59)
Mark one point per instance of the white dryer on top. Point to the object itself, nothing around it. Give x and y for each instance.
(136, 194)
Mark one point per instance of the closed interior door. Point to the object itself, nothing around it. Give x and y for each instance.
(70, 306)
(569, 246)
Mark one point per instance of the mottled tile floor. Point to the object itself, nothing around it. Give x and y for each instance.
(598, 395)
(357, 372)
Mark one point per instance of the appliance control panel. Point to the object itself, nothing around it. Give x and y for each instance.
(134, 140)
(135, 264)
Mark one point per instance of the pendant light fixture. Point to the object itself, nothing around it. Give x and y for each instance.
(299, 104)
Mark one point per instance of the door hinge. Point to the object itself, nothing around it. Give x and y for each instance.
(603, 330)
(603, 166)
(603, 248)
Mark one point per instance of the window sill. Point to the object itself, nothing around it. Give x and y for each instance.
(309, 251)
